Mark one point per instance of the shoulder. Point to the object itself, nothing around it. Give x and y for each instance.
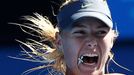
(115, 74)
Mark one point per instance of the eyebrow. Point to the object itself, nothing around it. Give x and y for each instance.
(102, 26)
(83, 26)
(78, 26)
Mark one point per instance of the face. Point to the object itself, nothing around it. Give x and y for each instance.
(86, 46)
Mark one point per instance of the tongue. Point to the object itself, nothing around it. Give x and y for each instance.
(87, 59)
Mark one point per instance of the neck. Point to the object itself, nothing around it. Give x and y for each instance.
(72, 72)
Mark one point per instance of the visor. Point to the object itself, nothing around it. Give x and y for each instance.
(84, 8)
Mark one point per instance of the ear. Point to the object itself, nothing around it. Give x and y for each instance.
(114, 34)
(58, 41)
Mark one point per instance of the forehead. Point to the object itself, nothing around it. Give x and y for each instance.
(88, 21)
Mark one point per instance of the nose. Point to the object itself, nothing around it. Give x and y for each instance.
(92, 44)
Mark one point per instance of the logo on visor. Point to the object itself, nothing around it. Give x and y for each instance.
(85, 5)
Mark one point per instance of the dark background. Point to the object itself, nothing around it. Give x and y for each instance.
(12, 10)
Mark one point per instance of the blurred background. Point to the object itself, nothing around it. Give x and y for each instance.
(12, 10)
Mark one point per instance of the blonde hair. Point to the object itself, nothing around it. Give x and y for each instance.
(46, 33)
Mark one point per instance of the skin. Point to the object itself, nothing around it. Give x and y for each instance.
(86, 35)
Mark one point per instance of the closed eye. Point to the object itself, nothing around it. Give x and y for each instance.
(101, 33)
(80, 32)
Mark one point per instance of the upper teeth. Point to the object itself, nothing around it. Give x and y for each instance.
(89, 55)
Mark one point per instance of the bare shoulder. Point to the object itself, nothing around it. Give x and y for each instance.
(115, 74)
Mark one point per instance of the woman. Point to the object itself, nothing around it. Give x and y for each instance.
(82, 41)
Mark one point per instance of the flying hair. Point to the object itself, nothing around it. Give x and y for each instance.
(48, 52)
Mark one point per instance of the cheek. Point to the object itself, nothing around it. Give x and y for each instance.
(105, 45)
(108, 42)
(71, 50)
(105, 49)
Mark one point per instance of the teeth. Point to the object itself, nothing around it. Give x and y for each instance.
(90, 55)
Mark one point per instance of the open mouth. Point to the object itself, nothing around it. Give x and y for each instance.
(88, 59)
